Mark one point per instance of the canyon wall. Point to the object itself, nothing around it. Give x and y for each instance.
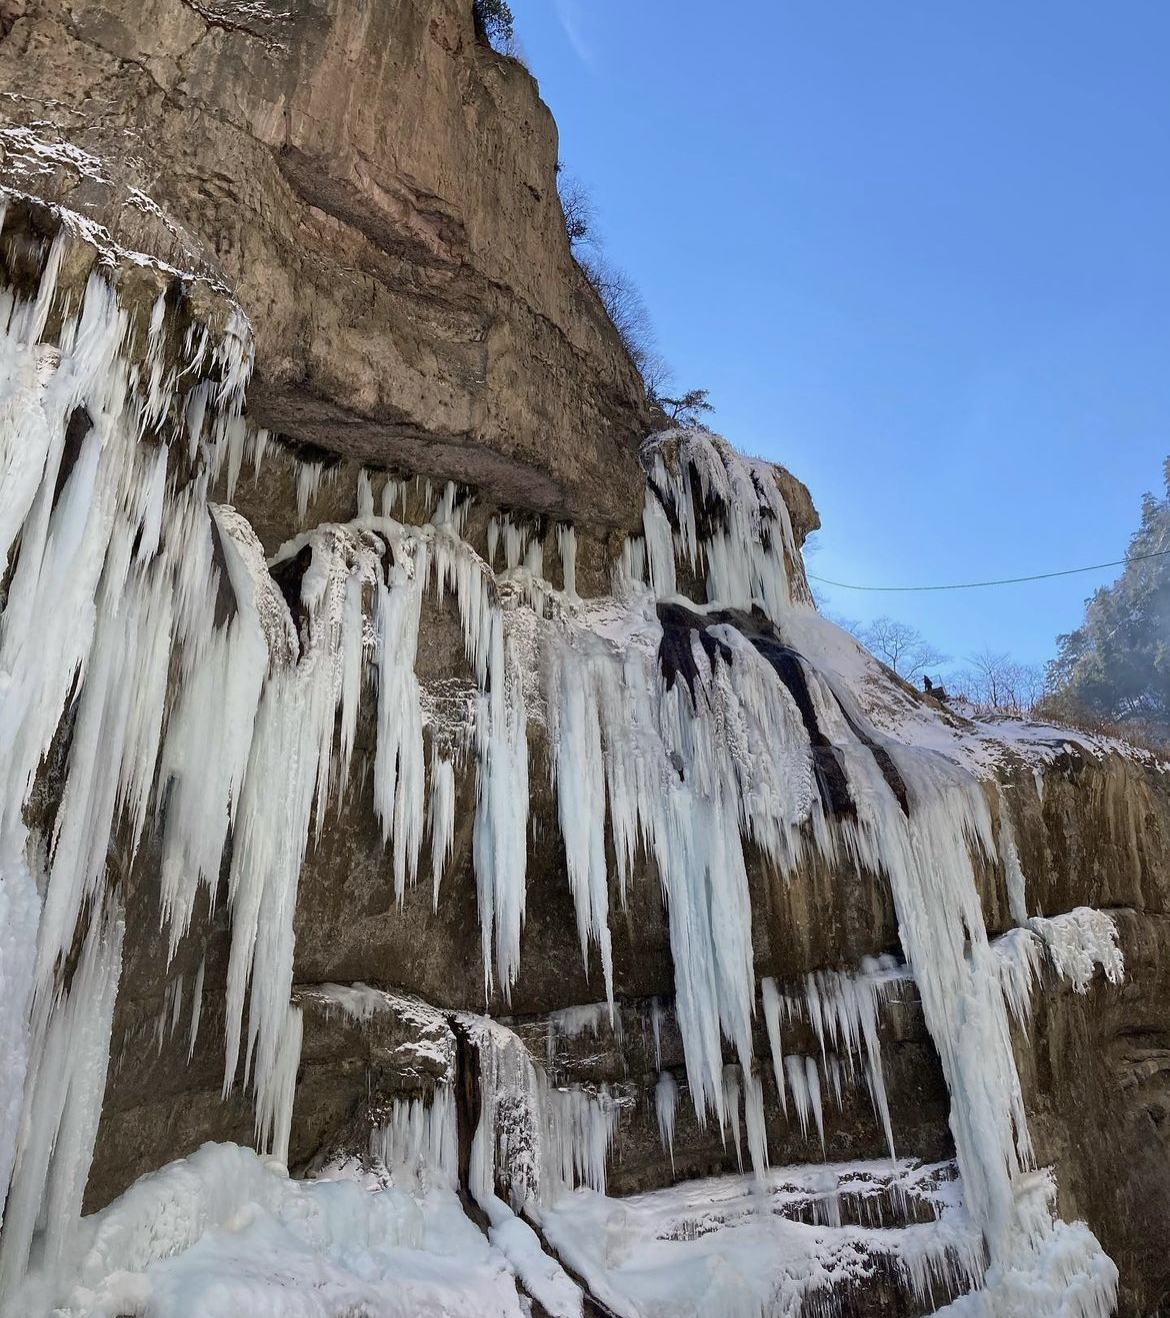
(378, 717)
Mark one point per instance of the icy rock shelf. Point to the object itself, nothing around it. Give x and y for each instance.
(685, 740)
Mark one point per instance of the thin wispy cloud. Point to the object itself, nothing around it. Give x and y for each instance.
(569, 12)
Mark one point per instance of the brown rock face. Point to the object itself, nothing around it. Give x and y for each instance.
(379, 189)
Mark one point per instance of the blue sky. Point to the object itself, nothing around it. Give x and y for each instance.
(917, 251)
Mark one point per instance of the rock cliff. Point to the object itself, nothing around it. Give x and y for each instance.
(379, 190)
(405, 775)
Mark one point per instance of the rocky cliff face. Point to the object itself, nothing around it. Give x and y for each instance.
(400, 777)
(379, 190)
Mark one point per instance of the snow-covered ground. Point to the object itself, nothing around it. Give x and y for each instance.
(225, 1233)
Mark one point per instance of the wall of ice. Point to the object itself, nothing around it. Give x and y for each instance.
(153, 676)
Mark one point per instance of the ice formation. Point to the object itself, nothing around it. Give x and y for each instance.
(533, 1141)
(679, 728)
(842, 1008)
(666, 1104)
(705, 1247)
(416, 1142)
(1075, 944)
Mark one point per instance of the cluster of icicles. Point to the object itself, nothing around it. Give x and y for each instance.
(110, 645)
(532, 1139)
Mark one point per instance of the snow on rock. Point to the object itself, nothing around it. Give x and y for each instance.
(733, 1247)
(1078, 942)
(542, 1276)
(225, 1232)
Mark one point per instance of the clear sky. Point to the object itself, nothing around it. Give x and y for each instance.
(917, 251)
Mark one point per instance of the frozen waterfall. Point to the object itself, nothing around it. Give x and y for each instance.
(156, 677)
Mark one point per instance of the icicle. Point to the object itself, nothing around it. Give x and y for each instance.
(750, 545)
(657, 551)
(833, 1071)
(772, 1006)
(151, 503)
(753, 1107)
(19, 913)
(538, 1141)
(681, 776)
(666, 1103)
(515, 540)
(275, 1093)
(506, 1144)
(399, 765)
(417, 1142)
(235, 435)
(1018, 961)
(842, 1009)
(797, 1073)
(1080, 941)
(567, 548)
(572, 1022)
(63, 1100)
(578, 768)
(499, 839)
(308, 487)
(168, 1017)
(579, 1128)
(287, 777)
(209, 739)
(656, 1028)
(731, 1075)
(1017, 884)
(196, 1007)
(805, 1084)
(392, 493)
(365, 494)
(261, 439)
(441, 818)
(814, 1097)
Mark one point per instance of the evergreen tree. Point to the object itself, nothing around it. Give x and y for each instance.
(1117, 663)
(493, 22)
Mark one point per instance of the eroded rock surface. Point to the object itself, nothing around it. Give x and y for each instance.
(379, 189)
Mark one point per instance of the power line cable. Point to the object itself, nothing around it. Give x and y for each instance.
(1003, 581)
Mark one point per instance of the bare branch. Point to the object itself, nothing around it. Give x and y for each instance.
(901, 646)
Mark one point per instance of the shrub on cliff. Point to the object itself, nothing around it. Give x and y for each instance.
(579, 211)
(493, 22)
(624, 304)
(686, 410)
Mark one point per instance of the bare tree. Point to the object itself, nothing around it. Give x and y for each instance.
(618, 292)
(995, 682)
(580, 212)
(656, 375)
(901, 646)
(623, 302)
